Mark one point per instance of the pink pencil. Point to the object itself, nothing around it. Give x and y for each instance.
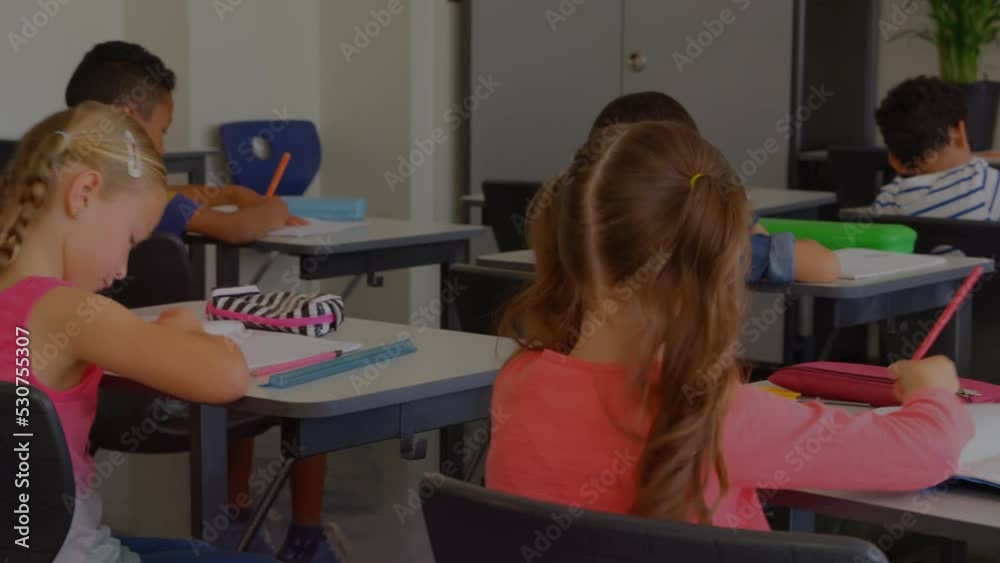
(949, 312)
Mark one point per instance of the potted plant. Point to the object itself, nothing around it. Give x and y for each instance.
(961, 28)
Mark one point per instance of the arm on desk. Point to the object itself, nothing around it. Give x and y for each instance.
(771, 439)
(814, 263)
(242, 226)
(174, 355)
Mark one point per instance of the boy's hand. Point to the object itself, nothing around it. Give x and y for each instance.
(937, 372)
(274, 211)
(294, 221)
(180, 318)
(244, 196)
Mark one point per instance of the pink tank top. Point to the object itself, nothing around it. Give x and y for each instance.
(76, 406)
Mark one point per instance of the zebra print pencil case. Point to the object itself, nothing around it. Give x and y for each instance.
(308, 314)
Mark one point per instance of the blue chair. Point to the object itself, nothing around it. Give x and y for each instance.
(253, 149)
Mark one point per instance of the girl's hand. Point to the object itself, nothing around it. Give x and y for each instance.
(937, 372)
(181, 318)
(294, 221)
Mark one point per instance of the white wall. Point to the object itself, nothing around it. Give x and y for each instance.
(906, 57)
(35, 73)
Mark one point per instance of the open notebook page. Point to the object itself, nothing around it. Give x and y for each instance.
(265, 348)
(980, 460)
(862, 263)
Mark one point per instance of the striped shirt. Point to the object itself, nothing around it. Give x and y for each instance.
(966, 192)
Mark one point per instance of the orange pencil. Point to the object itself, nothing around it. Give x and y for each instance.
(282, 164)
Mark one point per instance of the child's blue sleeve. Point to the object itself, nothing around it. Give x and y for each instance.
(772, 258)
(176, 215)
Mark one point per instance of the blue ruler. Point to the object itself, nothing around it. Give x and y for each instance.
(348, 362)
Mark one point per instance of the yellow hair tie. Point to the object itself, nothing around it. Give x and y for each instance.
(695, 179)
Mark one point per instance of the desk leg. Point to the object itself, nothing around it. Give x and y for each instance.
(953, 551)
(801, 521)
(227, 266)
(208, 467)
(956, 339)
(198, 266)
(449, 318)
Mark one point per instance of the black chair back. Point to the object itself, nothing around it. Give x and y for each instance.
(973, 238)
(47, 481)
(482, 293)
(506, 210)
(857, 173)
(159, 273)
(469, 523)
(7, 149)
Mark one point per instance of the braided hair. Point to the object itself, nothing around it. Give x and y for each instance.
(92, 136)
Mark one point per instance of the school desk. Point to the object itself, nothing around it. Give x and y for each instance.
(767, 202)
(847, 303)
(191, 162)
(379, 245)
(446, 382)
(822, 155)
(955, 510)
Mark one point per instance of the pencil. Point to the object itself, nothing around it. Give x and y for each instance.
(949, 312)
(278, 173)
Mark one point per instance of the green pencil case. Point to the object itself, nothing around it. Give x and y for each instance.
(836, 235)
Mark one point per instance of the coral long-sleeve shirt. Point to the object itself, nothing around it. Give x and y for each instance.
(564, 437)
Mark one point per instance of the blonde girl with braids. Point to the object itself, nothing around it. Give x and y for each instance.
(83, 188)
(626, 395)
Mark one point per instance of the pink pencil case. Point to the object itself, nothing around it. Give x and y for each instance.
(861, 383)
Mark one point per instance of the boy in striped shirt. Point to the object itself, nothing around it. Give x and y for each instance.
(923, 123)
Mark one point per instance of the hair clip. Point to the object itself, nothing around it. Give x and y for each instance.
(694, 179)
(134, 163)
(65, 137)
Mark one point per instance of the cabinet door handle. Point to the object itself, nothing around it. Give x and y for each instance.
(636, 61)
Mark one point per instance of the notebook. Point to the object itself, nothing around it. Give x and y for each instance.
(275, 352)
(316, 227)
(980, 460)
(862, 263)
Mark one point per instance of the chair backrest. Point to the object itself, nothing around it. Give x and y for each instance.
(973, 238)
(47, 469)
(468, 523)
(482, 293)
(240, 140)
(857, 173)
(506, 210)
(7, 149)
(159, 273)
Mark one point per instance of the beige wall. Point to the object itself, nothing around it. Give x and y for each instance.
(905, 57)
(162, 28)
(35, 76)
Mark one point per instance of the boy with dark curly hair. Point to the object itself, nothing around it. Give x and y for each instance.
(923, 123)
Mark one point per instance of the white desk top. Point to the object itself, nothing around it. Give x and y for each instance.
(821, 155)
(766, 201)
(445, 362)
(376, 234)
(954, 268)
